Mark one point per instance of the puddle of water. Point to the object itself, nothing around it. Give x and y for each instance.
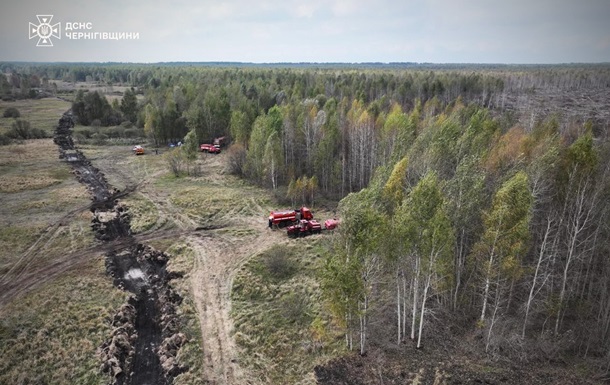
(134, 273)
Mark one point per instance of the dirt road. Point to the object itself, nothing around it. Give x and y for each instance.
(229, 238)
(217, 259)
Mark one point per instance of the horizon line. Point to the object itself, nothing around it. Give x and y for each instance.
(288, 63)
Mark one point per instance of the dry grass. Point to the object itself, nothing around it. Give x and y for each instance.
(279, 321)
(29, 153)
(16, 183)
(41, 113)
(32, 165)
(191, 353)
(206, 203)
(37, 190)
(144, 214)
(51, 335)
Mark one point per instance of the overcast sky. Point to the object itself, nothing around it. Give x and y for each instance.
(439, 31)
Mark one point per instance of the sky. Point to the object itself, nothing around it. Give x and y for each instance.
(350, 31)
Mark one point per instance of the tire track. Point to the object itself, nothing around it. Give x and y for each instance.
(145, 340)
(218, 258)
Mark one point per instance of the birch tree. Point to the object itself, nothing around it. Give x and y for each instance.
(428, 242)
(505, 235)
(359, 238)
(151, 122)
(394, 192)
(467, 192)
(577, 217)
(397, 123)
(190, 149)
(273, 159)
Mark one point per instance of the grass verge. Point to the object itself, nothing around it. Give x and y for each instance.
(191, 353)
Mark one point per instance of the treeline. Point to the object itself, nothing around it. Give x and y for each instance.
(179, 92)
(285, 123)
(140, 74)
(482, 227)
(335, 125)
(15, 85)
(92, 108)
(330, 119)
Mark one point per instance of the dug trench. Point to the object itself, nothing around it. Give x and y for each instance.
(145, 340)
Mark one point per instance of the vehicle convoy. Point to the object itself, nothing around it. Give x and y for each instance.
(300, 222)
(210, 148)
(288, 217)
(304, 228)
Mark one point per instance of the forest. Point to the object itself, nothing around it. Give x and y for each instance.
(470, 196)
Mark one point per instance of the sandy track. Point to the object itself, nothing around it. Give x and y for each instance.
(211, 291)
(217, 259)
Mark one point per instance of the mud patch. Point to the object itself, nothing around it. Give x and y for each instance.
(111, 224)
(145, 341)
(141, 271)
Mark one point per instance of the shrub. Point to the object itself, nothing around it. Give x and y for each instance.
(99, 139)
(86, 133)
(11, 112)
(237, 159)
(132, 133)
(295, 309)
(175, 161)
(115, 132)
(80, 138)
(279, 266)
(4, 140)
(22, 129)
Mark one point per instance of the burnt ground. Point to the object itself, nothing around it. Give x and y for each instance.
(423, 367)
(449, 357)
(145, 340)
